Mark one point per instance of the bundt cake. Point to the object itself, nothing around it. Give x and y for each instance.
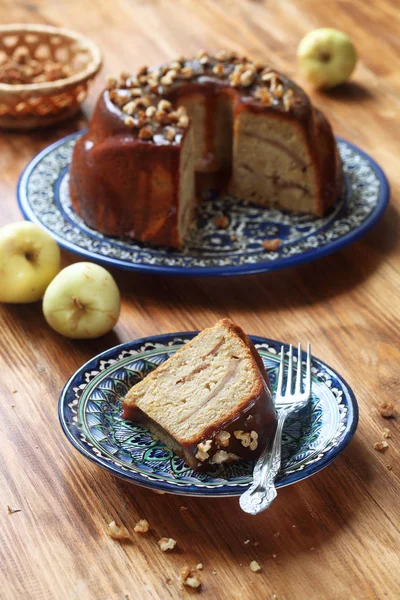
(210, 402)
(158, 138)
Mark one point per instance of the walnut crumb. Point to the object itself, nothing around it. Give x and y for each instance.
(11, 510)
(142, 526)
(271, 245)
(118, 531)
(381, 446)
(189, 578)
(146, 133)
(14, 391)
(255, 567)
(199, 566)
(386, 433)
(387, 410)
(166, 544)
(222, 222)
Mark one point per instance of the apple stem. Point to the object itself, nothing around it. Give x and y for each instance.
(324, 56)
(75, 301)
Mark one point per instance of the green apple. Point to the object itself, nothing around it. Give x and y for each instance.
(83, 301)
(326, 57)
(29, 260)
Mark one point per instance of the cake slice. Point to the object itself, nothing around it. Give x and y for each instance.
(210, 402)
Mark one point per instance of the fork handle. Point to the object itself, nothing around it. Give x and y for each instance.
(262, 491)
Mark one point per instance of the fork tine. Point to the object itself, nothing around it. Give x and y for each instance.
(280, 374)
(290, 372)
(299, 372)
(308, 371)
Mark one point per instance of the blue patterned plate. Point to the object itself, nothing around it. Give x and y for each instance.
(90, 415)
(44, 198)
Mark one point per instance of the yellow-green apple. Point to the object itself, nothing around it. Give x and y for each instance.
(29, 260)
(82, 301)
(326, 57)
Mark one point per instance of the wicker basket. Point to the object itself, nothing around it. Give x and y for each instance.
(27, 106)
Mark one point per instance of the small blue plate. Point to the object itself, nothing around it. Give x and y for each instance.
(90, 414)
(43, 197)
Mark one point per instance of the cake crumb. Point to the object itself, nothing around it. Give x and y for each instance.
(118, 531)
(255, 567)
(199, 566)
(11, 510)
(214, 572)
(142, 526)
(166, 544)
(271, 245)
(386, 433)
(246, 542)
(12, 405)
(222, 222)
(381, 446)
(256, 543)
(277, 534)
(274, 556)
(294, 526)
(159, 492)
(189, 578)
(312, 548)
(167, 580)
(183, 508)
(387, 410)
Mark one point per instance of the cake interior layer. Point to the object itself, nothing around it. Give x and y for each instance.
(266, 154)
(205, 383)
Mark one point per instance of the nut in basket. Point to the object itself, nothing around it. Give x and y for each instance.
(44, 74)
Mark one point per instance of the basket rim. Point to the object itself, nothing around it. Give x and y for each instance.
(58, 84)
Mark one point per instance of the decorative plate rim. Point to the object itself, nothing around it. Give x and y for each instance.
(211, 271)
(191, 490)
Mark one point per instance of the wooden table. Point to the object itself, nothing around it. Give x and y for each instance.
(334, 536)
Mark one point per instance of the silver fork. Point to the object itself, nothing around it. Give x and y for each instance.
(262, 491)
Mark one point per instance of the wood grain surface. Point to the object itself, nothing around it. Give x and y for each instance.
(334, 536)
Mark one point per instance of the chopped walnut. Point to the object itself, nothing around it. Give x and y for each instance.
(166, 544)
(136, 92)
(170, 134)
(201, 54)
(254, 440)
(247, 78)
(130, 107)
(142, 526)
(243, 436)
(189, 578)
(255, 567)
(386, 433)
(199, 566)
(118, 532)
(183, 122)
(222, 456)
(278, 91)
(225, 55)
(381, 446)
(387, 410)
(222, 438)
(264, 95)
(164, 105)
(186, 73)
(203, 449)
(288, 99)
(151, 111)
(218, 70)
(111, 82)
(129, 122)
(146, 133)
(271, 245)
(222, 222)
